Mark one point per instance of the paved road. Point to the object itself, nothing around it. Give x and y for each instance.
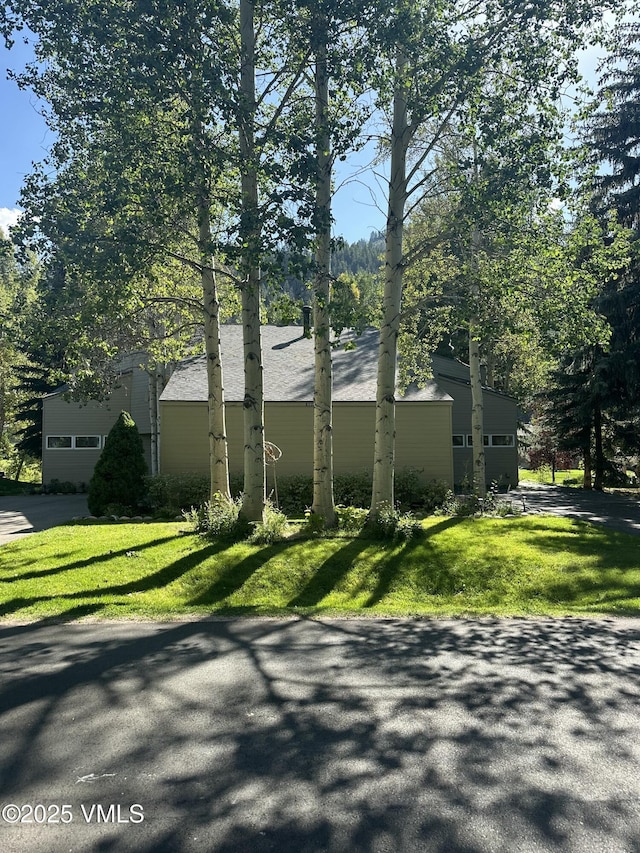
(274, 735)
(614, 511)
(24, 514)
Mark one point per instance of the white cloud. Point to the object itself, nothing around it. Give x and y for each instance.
(8, 217)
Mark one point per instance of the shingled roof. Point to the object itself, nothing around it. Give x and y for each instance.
(288, 363)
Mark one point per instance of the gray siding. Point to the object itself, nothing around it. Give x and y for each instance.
(140, 400)
(500, 417)
(61, 417)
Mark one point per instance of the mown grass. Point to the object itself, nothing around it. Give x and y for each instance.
(455, 567)
(543, 475)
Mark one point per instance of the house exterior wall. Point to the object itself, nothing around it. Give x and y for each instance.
(139, 403)
(500, 418)
(65, 418)
(423, 437)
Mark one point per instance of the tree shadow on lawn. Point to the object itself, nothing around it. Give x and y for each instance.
(439, 575)
(324, 580)
(235, 577)
(301, 735)
(82, 564)
(330, 573)
(163, 577)
(606, 571)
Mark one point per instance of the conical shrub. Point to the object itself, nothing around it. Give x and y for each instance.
(118, 482)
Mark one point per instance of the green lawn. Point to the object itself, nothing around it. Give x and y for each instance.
(543, 475)
(456, 567)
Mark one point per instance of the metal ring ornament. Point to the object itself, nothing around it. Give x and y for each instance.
(272, 452)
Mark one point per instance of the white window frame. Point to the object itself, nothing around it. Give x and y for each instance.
(98, 446)
(488, 439)
(70, 437)
(485, 440)
(74, 442)
(458, 435)
(509, 435)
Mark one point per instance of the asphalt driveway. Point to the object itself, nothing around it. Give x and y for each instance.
(245, 736)
(24, 514)
(615, 511)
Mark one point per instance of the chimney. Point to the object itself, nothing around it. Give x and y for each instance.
(306, 321)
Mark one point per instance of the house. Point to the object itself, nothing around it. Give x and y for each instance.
(500, 426)
(433, 423)
(423, 415)
(73, 433)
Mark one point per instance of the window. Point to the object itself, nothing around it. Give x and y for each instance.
(485, 440)
(59, 442)
(87, 442)
(458, 441)
(502, 441)
(74, 442)
(492, 441)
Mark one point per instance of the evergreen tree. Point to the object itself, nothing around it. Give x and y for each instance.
(612, 136)
(118, 479)
(613, 131)
(573, 407)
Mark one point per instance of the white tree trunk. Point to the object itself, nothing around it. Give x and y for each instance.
(254, 462)
(157, 382)
(477, 411)
(475, 374)
(153, 421)
(323, 500)
(218, 453)
(385, 431)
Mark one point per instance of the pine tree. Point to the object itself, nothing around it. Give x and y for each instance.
(571, 402)
(613, 135)
(613, 132)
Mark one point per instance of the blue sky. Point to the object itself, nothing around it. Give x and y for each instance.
(25, 140)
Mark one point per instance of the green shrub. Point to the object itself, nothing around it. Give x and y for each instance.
(314, 523)
(119, 476)
(272, 529)
(236, 484)
(353, 489)
(351, 519)
(218, 518)
(64, 487)
(412, 492)
(407, 487)
(392, 524)
(464, 506)
(295, 494)
(459, 505)
(174, 493)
